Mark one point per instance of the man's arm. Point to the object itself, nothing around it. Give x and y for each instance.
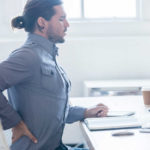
(79, 113)
(75, 113)
(18, 68)
(14, 70)
(9, 117)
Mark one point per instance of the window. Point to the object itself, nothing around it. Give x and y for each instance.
(101, 9)
(72, 8)
(11, 9)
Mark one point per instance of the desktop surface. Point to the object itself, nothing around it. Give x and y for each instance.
(103, 140)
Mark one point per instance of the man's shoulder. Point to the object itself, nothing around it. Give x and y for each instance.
(25, 54)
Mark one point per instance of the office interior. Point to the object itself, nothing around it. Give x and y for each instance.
(94, 49)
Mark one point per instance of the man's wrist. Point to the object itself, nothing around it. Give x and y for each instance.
(86, 114)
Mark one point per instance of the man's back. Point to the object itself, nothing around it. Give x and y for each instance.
(39, 95)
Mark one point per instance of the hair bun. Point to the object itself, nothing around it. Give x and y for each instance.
(18, 22)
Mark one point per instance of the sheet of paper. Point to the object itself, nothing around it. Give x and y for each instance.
(120, 113)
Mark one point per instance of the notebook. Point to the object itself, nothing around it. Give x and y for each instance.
(120, 113)
(109, 123)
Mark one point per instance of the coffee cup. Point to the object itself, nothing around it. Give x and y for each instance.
(146, 95)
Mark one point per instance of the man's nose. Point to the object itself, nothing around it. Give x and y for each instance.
(66, 24)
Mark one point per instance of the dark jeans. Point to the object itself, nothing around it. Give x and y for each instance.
(63, 147)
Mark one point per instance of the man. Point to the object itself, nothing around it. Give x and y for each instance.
(38, 87)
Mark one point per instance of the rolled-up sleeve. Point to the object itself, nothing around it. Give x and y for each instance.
(75, 113)
(16, 69)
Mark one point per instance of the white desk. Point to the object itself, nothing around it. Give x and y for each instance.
(103, 140)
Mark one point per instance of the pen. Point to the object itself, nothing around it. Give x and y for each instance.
(98, 113)
(122, 133)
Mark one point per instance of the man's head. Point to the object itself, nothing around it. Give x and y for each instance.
(44, 17)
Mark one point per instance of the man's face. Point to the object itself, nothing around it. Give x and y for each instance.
(57, 26)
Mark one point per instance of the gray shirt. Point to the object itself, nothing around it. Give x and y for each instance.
(38, 94)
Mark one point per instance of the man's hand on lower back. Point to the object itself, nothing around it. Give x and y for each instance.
(21, 130)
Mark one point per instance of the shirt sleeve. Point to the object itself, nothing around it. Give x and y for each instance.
(75, 113)
(18, 68)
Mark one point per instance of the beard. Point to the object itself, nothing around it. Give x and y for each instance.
(55, 36)
(56, 39)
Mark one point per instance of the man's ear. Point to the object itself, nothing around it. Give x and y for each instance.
(41, 23)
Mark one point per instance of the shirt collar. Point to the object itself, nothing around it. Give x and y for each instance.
(49, 46)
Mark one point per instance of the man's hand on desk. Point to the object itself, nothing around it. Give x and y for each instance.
(21, 130)
(99, 110)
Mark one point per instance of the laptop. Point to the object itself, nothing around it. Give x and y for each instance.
(110, 123)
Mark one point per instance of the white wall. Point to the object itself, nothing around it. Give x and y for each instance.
(94, 58)
(97, 49)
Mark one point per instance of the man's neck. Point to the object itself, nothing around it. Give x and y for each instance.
(40, 33)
